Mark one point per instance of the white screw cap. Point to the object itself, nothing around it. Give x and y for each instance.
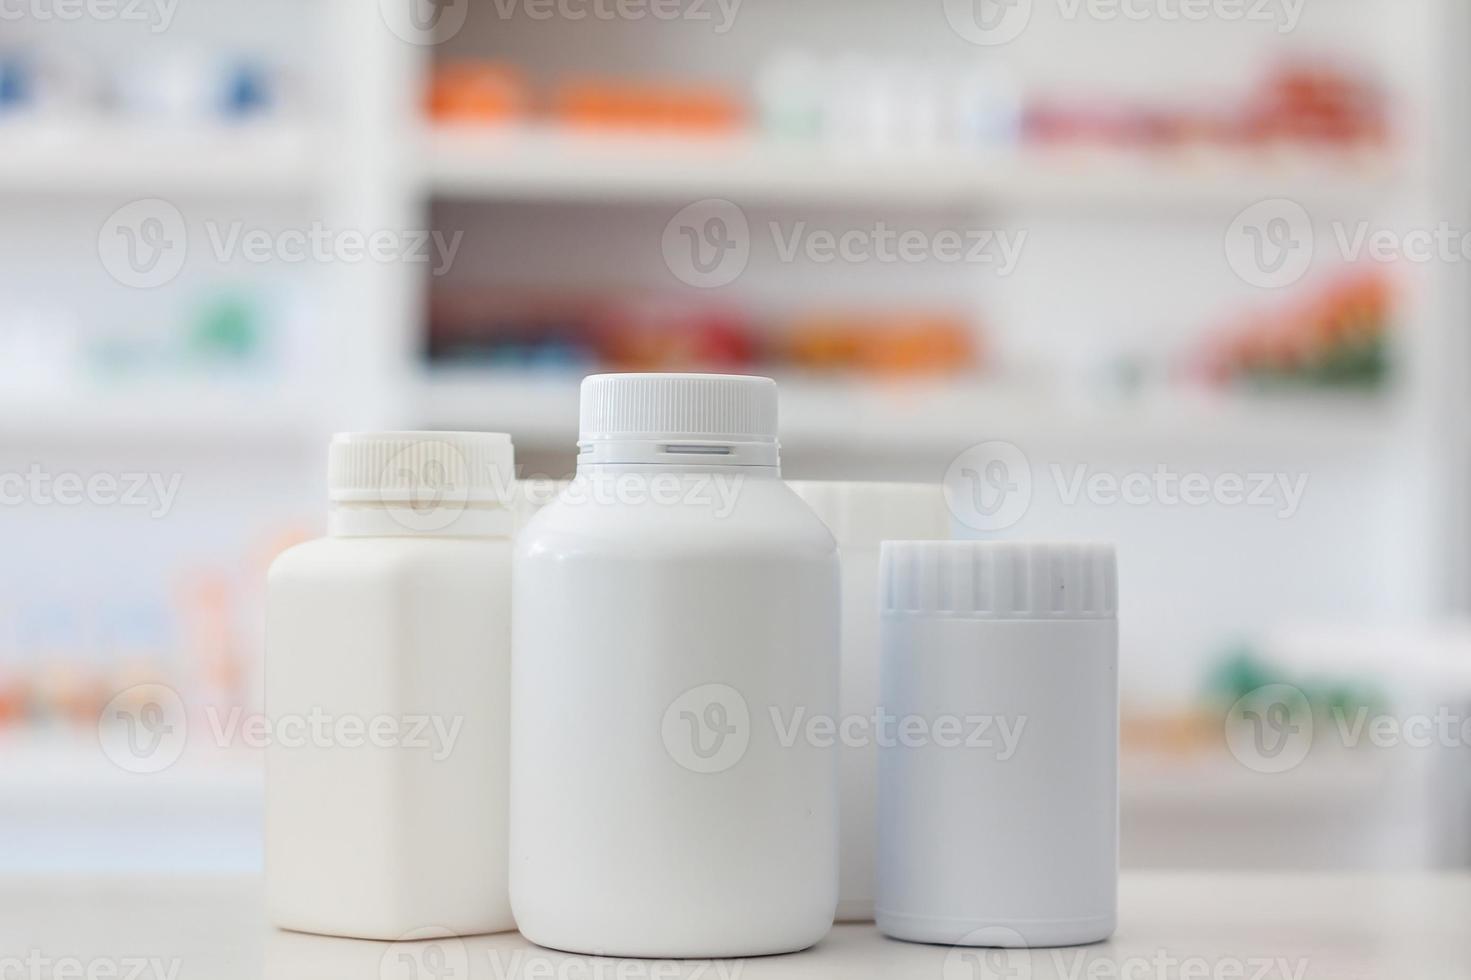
(420, 467)
(998, 579)
(726, 408)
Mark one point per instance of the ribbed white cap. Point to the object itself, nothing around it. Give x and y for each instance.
(861, 515)
(695, 407)
(419, 467)
(998, 579)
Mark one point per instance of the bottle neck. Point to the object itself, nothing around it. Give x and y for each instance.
(452, 519)
(679, 454)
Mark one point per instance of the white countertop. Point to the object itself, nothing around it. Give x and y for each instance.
(1241, 926)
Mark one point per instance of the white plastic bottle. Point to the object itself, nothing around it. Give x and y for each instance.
(387, 681)
(998, 795)
(532, 495)
(676, 627)
(861, 516)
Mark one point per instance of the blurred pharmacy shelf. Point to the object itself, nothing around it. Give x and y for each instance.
(367, 161)
(899, 418)
(1367, 810)
(918, 417)
(275, 159)
(175, 414)
(545, 162)
(1220, 784)
(527, 162)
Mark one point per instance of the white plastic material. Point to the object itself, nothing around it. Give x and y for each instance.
(667, 418)
(425, 468)
(673, 621)
(861, 515)
(387, 685)
(998, 810)
(534, 494)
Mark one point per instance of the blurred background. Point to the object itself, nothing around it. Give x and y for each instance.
(1190, 276)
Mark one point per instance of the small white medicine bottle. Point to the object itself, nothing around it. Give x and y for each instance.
(998, 799)
(387, 682)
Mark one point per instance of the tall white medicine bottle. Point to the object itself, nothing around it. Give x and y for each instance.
(676, 629)
(387, 681)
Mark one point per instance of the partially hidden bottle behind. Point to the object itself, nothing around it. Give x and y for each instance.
(387, 679)
(676, 620)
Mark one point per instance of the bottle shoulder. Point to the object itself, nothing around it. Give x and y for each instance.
(694, 513)
(365, 557)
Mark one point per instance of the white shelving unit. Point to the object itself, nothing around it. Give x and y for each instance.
(112, 159)
(367, 160)
(929, 418)
(1390, 532)
(1115, 237)
(544, 163)
(356, 168)
(167, 415)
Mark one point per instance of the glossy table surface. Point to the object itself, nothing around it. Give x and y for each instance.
(1188, 925)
